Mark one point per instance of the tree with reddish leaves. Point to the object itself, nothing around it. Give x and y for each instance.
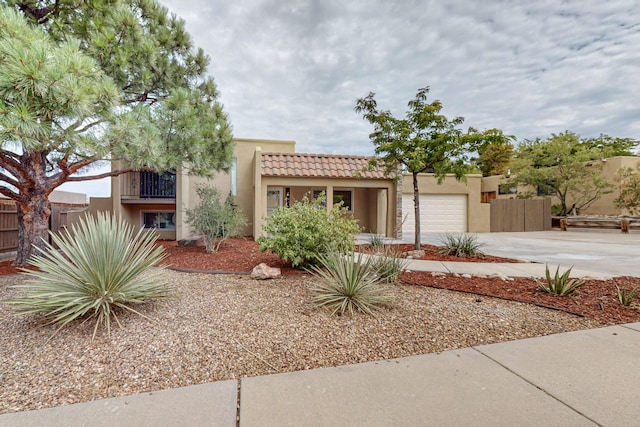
(86, 83)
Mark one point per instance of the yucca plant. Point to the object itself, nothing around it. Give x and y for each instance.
(376, 241)
(460, 245)
(560, 284)
(100, 265)
(349, 282)
(388, 264)
(626, 296)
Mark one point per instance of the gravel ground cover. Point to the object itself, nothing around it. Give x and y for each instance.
(222, 327)
(228, 326)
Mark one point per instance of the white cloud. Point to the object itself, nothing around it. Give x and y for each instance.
(293, 69)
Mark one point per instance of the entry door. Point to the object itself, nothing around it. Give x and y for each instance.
(274, 199)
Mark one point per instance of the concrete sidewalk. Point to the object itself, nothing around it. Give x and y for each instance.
(581, 378)
(519, 269)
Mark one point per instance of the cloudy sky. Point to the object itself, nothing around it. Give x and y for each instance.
(294, 69)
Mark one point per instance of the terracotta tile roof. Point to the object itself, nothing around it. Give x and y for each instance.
(317, 166)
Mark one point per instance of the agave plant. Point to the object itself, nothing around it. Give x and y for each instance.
(626, 296)
(460, 245)
(560, 284)
(349, 282)
(100, 265)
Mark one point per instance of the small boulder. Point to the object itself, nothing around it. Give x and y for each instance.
(466, 276)
(263, 271)
(414, 254)
(193, 241)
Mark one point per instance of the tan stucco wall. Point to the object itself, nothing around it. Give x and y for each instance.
(67, 197)
(187, 197)
(245, 154)
(478, 214)
(605, 205)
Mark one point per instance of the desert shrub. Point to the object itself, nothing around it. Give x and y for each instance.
(388, 264)
(349, 282)
(560, 284)
(214, 219)
(460, 245)
(626, 296)
(301, 233)
(100, 265)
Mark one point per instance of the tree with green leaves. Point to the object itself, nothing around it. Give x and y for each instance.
(496, 154)
(82, 83)
(214, 219)
(628, 180)
(424, 141)
(566, 166)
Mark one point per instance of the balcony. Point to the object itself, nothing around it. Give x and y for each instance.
(149, 186)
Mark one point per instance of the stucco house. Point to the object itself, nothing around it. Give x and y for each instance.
(496, 187)
(266, 174)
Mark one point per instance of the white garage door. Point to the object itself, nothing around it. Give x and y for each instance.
(438, 213)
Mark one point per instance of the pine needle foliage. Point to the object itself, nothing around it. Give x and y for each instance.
(101, 265)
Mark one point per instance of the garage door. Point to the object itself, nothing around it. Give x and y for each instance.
(438, 213)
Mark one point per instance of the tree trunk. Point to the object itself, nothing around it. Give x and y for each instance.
(33, 226)
(33, 205)
(416, 211)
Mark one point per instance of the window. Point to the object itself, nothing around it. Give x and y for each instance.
(344, 196)
(234, 176)
(507, 189)
(487, 196)
(162, 220)
(339, 195)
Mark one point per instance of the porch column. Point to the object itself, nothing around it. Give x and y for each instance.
(381, 212)
(258, 192)
(329, 198)
(182, 203)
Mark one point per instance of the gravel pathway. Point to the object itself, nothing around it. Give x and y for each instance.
(224, 327)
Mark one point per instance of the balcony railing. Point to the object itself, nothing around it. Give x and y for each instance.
(149, 185)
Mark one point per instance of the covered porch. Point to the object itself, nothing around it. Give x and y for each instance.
(281, 179)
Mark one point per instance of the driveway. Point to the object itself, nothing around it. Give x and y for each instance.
(603, 251)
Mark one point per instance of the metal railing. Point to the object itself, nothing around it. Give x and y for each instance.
(149, 185)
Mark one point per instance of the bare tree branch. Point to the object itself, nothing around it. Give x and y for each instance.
(8, 193)
(103, 175)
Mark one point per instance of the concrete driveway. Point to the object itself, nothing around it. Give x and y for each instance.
(604, 251)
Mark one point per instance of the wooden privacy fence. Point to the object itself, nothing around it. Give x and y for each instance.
(520, 215)
(9, 222)
(8, 227)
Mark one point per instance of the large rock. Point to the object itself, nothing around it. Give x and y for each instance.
(263, 271)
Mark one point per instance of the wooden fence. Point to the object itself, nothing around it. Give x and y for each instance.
(9, 222)
(520, 215)
(8, 226)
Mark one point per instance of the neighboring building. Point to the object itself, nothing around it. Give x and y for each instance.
(496, 187)
(64, 205)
